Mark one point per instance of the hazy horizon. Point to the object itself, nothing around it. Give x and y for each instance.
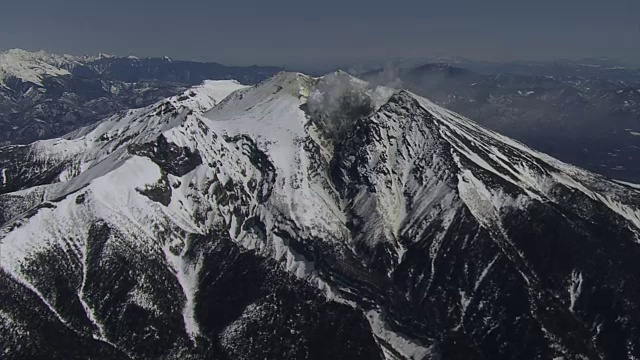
(329, 63)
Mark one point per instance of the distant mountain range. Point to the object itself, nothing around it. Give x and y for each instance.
(44, 95)
(601, 68)
(585, 114)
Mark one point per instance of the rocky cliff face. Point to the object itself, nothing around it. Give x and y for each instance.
(311, 218)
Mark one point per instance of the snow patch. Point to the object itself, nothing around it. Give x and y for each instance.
(575, 288)
(408, 348)
(187, 273)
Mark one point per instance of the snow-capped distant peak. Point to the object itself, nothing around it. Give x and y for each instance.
(31, 67)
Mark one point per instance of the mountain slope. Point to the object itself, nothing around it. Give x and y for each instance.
(312, 218)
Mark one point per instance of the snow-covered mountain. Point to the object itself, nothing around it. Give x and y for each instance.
(45, 95)
(311, 218)
(32, 67)
(586, 121)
